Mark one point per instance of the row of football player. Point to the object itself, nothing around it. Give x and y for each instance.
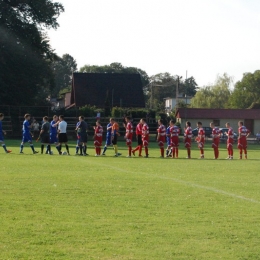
(56, 133)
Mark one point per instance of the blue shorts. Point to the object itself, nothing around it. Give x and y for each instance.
(1, 137)
(109, 140)
(83, 138)
(53, 139)
(26, 137)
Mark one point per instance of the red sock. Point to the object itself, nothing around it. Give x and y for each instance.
(162, 152)
(216, 152)
(201, 152)
(140, 149)
(129, 150)
(188, 151)
(231, 152)
(240, 153)
(173, 152)
(96, 150)
(146, 151)
(177, 152)
(137, 148)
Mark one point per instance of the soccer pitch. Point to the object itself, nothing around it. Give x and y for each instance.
(73, 207)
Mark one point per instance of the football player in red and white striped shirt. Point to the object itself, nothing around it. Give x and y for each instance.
(201, 139)
(230, 141)
(215, 139)
(187, 138)
(98, 137)
(174, 132)
(138, 132)
(243, 133)
(145, 136)
(129, 135)
(161, 136)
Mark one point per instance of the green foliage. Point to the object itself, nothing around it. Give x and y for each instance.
(215, 96)
(246, 91)
(25, 72)
(63, 69)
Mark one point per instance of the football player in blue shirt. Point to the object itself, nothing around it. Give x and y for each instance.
(53, 132)
(108, 137)
(2, 132)
(26, 133)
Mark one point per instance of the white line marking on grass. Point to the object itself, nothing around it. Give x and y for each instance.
(186, 183)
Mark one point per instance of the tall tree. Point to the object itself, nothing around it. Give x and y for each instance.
(63, 69)
(246, 91)
(25, 53)
(214, 96)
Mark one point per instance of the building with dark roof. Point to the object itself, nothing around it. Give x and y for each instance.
(118, 89)
(250, 117)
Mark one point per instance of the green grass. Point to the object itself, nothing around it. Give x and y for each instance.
(69, 207)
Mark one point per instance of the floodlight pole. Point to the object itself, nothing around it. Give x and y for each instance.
(177, 91)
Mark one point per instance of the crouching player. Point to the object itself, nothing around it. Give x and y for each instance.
(2, 132)
(98, 138)
(161, 136)
(230, 141)
(145, 136)
(26, 134)
(243, 133)
(45, 136)
(187, 138)
(215, 139)
(174, 132)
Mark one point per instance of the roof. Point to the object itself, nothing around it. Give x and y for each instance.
(94, 89)
(204, 113)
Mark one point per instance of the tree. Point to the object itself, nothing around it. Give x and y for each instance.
(246, 91)
(63, 69)
(25, 53)
(215, 96)
(164, 85)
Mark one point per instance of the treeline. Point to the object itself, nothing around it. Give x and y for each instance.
(222, 94)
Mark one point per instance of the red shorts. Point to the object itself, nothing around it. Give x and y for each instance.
(201, 145)
(161, 141)
(98, 141)
(215, 143)
(174, 141)
(242, 144)
(187, 142)
(145, 142)
(128, 141)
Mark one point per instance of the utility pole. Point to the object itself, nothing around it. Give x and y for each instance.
(177, 91)
(151, 99)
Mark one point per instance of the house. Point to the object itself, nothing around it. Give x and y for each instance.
(170, 102)
(107, 89)
(250, 117)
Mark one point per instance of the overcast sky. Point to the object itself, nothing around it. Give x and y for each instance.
(203, 37)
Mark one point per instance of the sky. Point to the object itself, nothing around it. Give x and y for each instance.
(199, 38)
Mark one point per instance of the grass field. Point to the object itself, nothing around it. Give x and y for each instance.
(71, 207)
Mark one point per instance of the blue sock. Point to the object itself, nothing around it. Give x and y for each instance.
(32, 147)
(21, 148)
(4, 147)
(77, 149)
(104, 150)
